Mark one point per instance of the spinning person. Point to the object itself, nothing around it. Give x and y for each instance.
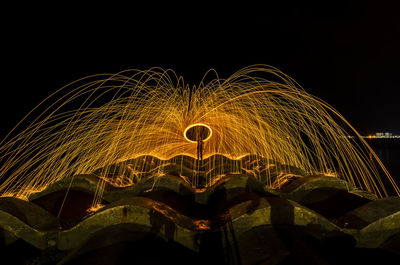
(200, 147)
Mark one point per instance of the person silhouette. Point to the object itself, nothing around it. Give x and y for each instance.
(200, 146)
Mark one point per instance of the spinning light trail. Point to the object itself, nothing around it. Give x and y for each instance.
(258, 110)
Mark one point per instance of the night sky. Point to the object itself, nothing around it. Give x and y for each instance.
(348, 55)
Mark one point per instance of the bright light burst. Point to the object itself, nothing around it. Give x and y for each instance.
(258, 110)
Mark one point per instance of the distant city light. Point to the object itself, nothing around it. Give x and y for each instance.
(381, 135)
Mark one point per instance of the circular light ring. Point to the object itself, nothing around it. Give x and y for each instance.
(199, 125)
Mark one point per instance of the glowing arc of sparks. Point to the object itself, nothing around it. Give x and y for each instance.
(194, 125)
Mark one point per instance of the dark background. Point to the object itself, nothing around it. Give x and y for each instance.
(347, 54)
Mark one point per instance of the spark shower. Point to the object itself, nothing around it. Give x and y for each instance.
(109, 118)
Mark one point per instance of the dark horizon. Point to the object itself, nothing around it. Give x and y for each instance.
(347, 55)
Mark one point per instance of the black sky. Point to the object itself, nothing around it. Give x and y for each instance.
(346, 54)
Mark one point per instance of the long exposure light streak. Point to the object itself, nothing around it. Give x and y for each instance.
(258, 110)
